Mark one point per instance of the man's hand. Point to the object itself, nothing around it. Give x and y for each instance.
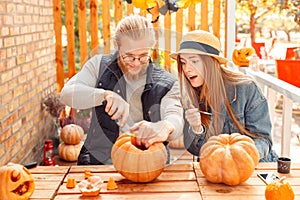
(193, 117)
(116, 107)
(148, 133)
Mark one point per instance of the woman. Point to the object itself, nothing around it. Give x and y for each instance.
(218, 100)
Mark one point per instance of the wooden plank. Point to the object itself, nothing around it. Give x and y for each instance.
(179, 18)
(144, 196)
(273, 165)
(179, 167)
(239, 197)
(191, 17)
(48, 177)
(118, 10)
(164, 176)
(216, 18)
(251, 181)
(156, 29)
(167, 38)
(129, 9)
(92, 168)
(42, 194)
(60, 76)
(70, 38)
(204, 15)
(82, 31)
(47, 185)
(94, 26)
(286, 126)
(106, 25)
(247, 190)
(126, 186)
(50, 170)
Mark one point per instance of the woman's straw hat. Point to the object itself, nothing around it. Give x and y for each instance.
(200, 42)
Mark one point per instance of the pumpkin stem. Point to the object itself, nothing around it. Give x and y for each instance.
(282, 179)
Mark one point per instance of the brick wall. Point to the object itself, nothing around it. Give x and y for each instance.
(27, 76)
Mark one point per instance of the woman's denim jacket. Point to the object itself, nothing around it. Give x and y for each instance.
(250, 107)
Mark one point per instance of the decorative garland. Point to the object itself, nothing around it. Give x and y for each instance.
(156, 7)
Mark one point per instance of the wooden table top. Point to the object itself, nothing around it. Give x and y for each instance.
(178, 181)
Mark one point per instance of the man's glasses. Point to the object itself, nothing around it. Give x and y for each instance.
(141, 59)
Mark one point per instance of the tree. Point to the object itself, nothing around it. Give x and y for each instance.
(256, 9)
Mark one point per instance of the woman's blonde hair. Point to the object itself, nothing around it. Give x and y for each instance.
(135, 27)
(213, 92)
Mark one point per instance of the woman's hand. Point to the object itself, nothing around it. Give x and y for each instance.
(116, 107)
(193, 117)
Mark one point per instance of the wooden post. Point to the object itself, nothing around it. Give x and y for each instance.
(216, 18)
(94, 27)
(60, 76)
(82, 31)
(106, 24)
(179, 15)
(129, 8)
(191, 17)
(118, 11)
(204, 15)
(70, 38)
(167, 35)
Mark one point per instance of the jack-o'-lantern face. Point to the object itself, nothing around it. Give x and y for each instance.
(16, 182)
(240, 56)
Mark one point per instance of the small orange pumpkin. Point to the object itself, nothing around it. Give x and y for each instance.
(138, 164)
(17, 182)
(240, 56)
(229, 159)
(279, 190)
(71, 134)
(69, 152)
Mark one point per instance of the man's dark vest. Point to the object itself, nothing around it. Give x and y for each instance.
(158, 83)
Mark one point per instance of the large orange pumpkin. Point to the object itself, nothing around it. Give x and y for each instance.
(69, 152)
(229, 159)
(240, 56)
(138, 164)
(279, 190)
(17, 182)
(71, 134)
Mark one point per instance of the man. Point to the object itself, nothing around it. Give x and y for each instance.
(127, 93)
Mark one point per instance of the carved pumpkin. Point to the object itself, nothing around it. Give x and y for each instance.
(69, 152)
(279, 190)
(71, 134)
(240, 56)
(135, 163)
(17, 182)
(229, 159)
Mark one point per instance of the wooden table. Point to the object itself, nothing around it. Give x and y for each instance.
(178, 181)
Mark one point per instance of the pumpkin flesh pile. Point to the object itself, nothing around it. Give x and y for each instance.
(138, 164)
(229, 159)
(17, 182)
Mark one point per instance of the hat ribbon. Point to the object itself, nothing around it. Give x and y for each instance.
(199, 46)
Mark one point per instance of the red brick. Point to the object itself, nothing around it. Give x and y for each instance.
(11, 8)
(9, 41)
(6, 76)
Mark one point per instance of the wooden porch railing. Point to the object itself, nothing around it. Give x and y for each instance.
(205, 15)
(271, 86)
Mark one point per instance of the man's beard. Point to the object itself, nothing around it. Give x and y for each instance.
(131, 74)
